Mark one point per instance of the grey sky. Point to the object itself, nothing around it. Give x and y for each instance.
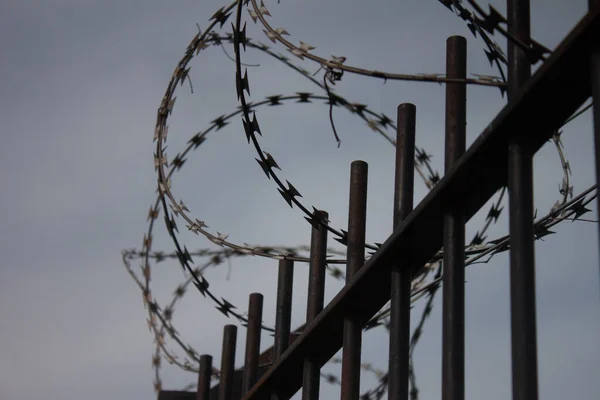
(81, 82)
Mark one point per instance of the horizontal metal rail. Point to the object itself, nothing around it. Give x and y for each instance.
(558, 88)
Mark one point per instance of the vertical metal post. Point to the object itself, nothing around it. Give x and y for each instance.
(283, 313)
(595, 82)
(401, 278)
(355, 259)
(203, 391)
(228, 363)
(453, 314)
(283, 316)
(595, 78)
(520, 188)
(316, 299)
(255, 307)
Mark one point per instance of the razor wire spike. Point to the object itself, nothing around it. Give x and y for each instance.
(473, 28)
(147, 242)
(152, 213)
(220, 122)
(297, 52)
(242, 84)
(263, 9)
(305, 47)
(220, 16)
(253, 15)
(271, 161)
(275, 100)
(239, 36)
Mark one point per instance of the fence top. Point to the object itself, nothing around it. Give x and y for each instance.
(554, 93)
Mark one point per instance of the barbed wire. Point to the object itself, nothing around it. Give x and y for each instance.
(304, 50)
(268, 164)
(573, 210)
(160, 319)
(480, 249)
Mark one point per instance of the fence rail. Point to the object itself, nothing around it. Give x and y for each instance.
(501, 156)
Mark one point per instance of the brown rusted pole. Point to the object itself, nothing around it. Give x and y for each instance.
(401, 278)
(204, 375)
(283, 316)
(453, 313)
(255, 307)
(520, 199)
(228, 363)
(316, 299)
(420, 236)
(595, 82)
(355, 259)
(283, 312)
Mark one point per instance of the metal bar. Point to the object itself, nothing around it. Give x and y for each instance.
(203, 391)
(453, 306)
(316, 298)
(357, 221)
(265, 360)
(175, 395)
(520, 197)
(538, 109)
(401, 278)
(595, 67)
(283, 313)
(595, 76)
(255, 307)
(227, 362)
(283, 316)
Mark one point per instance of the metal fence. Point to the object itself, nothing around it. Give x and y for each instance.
(500, 157)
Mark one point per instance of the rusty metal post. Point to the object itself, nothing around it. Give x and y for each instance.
(357, 216)
(283, 316)
(401, 277)
(255, 307)
(520, 188)
(595, 82)
(453, 314)
(203, 390)
(283, 313)
(485, 166)
(228, 363)
(316, 298)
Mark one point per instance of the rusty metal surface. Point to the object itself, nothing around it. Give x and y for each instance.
(453, 303)
(595, 67)
(595, 61)
(204, 375)
(557, 89)
(521, 229)
(311, 374)
(226, 382)
(357, 221)
(283, 311)
(283, 316)
(401, 279)
(176, 395)
(265, 360)
(255, 307)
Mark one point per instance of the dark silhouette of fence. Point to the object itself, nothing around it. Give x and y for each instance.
(501, 156)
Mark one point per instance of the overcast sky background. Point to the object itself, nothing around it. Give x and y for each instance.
(81, 83)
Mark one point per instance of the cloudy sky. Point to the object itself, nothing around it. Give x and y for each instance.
(81, 83)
